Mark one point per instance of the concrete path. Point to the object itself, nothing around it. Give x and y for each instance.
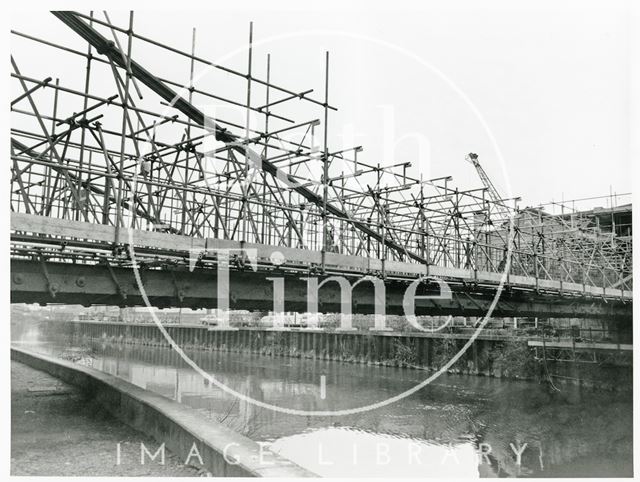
(56, 432)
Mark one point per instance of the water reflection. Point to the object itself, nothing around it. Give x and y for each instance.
(460, 426)
(351, 452)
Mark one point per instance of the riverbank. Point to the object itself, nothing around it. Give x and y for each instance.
(490, 356)
(56, 431)
(219, 450)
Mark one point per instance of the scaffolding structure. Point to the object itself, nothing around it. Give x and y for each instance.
(139, 152)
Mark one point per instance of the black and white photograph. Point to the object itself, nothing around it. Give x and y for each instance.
(339, 239)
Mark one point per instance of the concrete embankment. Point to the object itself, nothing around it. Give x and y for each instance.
(183, 430)
(487, 356)
(57, 432)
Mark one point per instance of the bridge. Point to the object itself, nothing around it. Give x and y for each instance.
(128, 191)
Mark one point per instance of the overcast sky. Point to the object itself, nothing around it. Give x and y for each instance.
(551, 81)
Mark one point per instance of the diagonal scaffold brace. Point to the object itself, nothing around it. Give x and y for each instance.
(108, 48)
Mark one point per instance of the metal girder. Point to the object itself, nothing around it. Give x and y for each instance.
(115, 55)
(47, 230)
(93, 284)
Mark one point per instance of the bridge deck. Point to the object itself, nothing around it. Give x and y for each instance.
(294, 257)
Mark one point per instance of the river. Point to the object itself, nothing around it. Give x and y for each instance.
(457, 426)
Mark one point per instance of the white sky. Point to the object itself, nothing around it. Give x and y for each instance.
(551, 79)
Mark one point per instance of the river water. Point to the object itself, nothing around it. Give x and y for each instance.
(457, 426)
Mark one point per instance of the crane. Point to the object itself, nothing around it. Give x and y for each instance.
(500, 211)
